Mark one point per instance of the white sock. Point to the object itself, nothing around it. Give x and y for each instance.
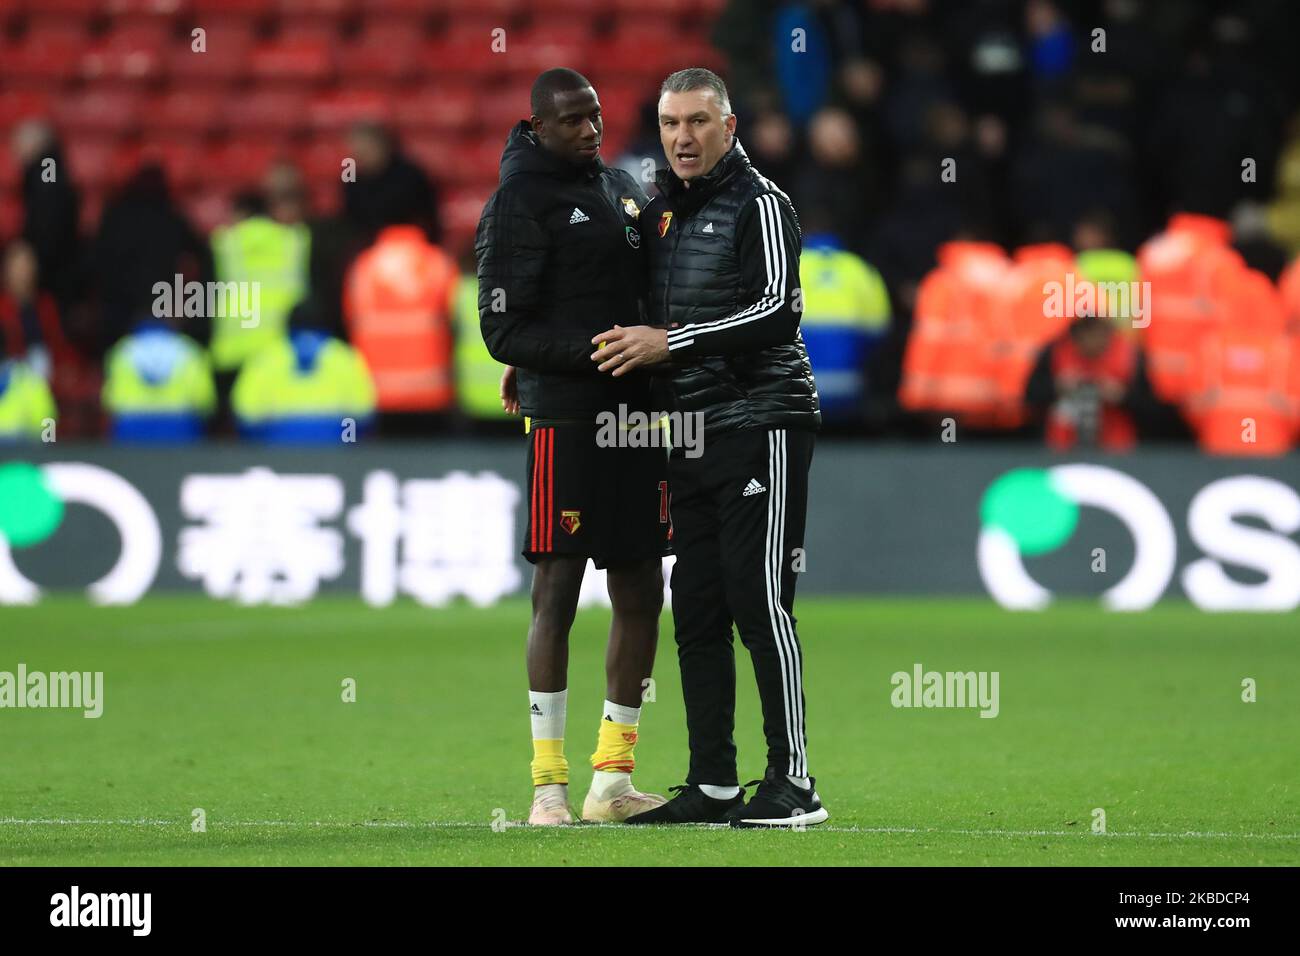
(803, 783)
(620, 714)
(719, 793)
(547, 712)
(607, 784)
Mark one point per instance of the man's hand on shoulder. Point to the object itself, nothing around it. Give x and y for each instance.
(621, 350)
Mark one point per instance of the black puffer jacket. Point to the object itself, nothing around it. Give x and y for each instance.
(724, 276)
(559, 260)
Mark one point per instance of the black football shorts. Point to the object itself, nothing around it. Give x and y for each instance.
(609, 504)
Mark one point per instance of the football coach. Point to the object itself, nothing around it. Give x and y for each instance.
(723, 249)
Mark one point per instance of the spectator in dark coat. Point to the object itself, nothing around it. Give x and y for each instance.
(51, 206)
(390, 189)
(144, 239)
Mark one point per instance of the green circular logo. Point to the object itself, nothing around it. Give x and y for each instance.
(30, 511)
(1027, 506)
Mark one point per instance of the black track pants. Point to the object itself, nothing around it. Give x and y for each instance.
(738, 514)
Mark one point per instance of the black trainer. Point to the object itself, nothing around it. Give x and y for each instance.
(779, 803)
(691, 805)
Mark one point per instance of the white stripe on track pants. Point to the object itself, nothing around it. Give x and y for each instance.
(738, 514)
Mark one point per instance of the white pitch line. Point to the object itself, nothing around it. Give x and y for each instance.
(462, 825)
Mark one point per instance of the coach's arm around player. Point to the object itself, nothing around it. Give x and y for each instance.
(768, 247)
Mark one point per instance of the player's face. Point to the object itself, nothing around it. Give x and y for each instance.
(574, 128)
(694, 132)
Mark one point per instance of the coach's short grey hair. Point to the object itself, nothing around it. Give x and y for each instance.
(697, 78)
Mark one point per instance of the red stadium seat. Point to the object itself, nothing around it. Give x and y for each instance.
(65, 8)
(384, 50)
(531, 53)
(377, 9)
(628, 26)
(496, 8)
(39, 61)
(464, 60)
(339, 109)
(291, 59)
(18, 105)
(95, 162)
(142, 8)
(225, 56)
(473, 166)
(45, 27)
(11, 216)
(133, 54)
(435, 155)
(241, 162)
(621, 102)
(450, 109)
(268, 109)
(337, 9)
(502, 111)
(460, 212)
(95, 110)
(653, 55)
(243, 8)
(324, 29)
(650, 10)
(551, 11)
(194, 110)
(322, 160)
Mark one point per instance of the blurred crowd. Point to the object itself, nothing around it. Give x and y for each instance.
(948, 160)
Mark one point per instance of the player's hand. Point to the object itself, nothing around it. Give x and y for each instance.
(621, 350)
(509, 391)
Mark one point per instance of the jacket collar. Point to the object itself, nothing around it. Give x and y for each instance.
(525, 153)
(702, 188)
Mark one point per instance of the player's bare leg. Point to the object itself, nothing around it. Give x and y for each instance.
(556, 583)
(636, 592)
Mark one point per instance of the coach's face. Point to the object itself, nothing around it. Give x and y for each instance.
(694, 132)
(573, 127)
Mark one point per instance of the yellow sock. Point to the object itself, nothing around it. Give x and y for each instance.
(614, 747)
(549, 765)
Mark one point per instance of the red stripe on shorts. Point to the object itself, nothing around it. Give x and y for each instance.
(537, 468)
(550, 489)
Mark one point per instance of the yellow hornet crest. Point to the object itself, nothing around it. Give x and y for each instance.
(664, 222)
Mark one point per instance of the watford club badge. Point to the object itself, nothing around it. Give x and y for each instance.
(664, 220)
(631, 208)
(571, 521)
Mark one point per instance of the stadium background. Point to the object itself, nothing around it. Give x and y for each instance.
(1127, 165)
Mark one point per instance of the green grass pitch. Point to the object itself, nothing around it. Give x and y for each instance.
(240, 712)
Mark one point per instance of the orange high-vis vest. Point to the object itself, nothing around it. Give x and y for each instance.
(1243, 403)
(1193, 275)
(397, 306)
(1024, 322)
(948, 365)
